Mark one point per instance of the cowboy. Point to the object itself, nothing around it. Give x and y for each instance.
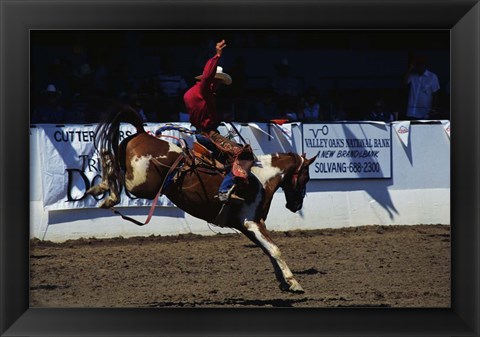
(50, 110)
(201, 106)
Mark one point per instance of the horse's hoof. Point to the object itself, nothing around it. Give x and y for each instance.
(295, 287)
(108, 203)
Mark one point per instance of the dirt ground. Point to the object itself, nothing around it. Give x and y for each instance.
(371, 266)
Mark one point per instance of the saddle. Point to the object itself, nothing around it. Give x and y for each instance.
(240, 158)
(201, 156)
(231, 155)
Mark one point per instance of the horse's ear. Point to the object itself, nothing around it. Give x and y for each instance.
(304, 155)
(311, 160)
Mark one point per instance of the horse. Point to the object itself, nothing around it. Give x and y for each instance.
(142, 163)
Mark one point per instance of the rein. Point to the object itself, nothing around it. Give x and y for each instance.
(170, 171)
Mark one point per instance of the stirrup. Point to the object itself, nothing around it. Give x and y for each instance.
(229, 196)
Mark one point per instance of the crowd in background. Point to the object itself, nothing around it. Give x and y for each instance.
(73, 88)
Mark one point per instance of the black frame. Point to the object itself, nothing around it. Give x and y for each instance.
(17, 17)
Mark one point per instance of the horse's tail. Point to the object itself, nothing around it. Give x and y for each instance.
(107, 137)
(107, 134)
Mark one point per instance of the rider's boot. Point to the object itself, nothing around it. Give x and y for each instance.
(240, 158)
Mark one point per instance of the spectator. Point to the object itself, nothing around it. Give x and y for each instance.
(61, 79)
(80, 110)
(423, 90)
(50, 111)
(287, 88)
(310, 106)
(82, 79)
(152, 101)
(380, 113)
(265, 107)
(100, 79)
(137, 104)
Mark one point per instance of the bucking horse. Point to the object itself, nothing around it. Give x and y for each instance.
(147, 165)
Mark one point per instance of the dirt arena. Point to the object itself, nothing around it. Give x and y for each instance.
(371, 266)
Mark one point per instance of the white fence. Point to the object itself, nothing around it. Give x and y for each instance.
(416, 192)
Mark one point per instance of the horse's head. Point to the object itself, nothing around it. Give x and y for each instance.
(295, 181)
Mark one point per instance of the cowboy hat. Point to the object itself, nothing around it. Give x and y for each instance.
(220, 75)
(52, 90)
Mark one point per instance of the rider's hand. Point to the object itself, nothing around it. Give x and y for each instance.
(219, 47)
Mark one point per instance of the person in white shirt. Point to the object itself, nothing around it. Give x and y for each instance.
(423, 91)
(310, 106)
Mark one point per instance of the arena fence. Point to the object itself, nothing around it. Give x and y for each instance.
(366, 173)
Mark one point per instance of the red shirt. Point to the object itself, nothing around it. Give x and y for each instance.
(200, 98)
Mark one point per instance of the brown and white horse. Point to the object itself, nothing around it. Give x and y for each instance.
(141, 163)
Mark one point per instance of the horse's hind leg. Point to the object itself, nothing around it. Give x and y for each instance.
(109, 182)
(258, 234)
(98, 189)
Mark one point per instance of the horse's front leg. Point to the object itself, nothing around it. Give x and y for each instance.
(257, 232)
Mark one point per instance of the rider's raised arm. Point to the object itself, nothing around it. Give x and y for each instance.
(210, 68)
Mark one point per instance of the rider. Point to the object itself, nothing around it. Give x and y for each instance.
(201, 106)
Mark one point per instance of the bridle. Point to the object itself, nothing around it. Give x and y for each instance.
(294, 193)
(297, 171)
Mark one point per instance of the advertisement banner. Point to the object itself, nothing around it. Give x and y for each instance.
(70, 165)
(349, 150)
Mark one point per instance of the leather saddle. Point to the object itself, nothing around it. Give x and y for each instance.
(201, 156)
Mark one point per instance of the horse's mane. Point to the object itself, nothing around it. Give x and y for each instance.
(295, 156)
(278, 156)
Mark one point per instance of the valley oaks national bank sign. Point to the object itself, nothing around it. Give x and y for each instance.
(349, 150)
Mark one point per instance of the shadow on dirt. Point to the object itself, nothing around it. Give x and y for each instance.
(235, 302)
(310, 271)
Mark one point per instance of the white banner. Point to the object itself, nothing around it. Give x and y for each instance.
(70, 165)
(349, 150)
